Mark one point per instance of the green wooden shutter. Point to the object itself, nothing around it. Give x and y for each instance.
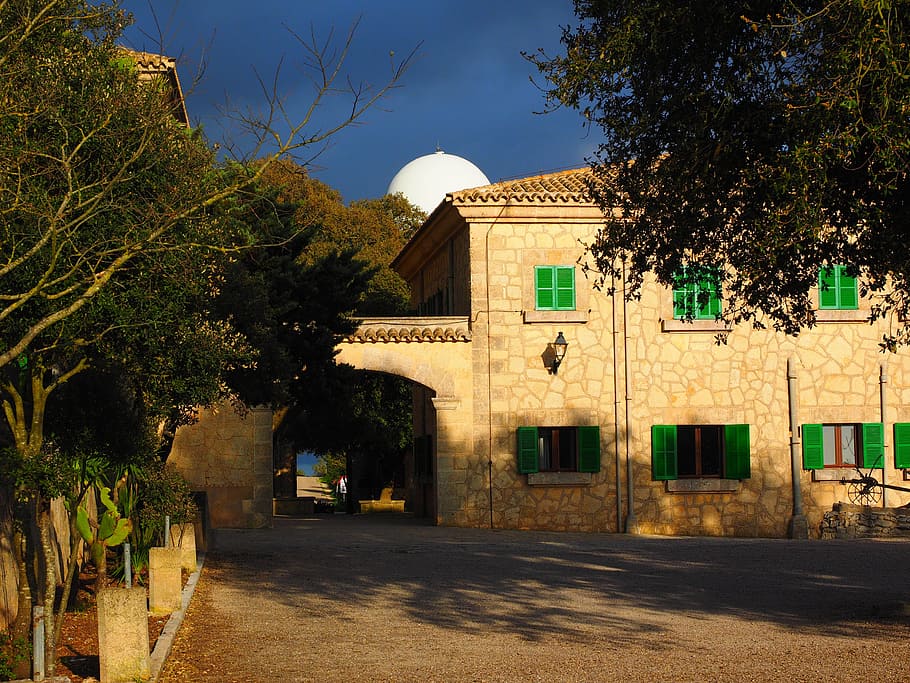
(663, 452)
(682, 294)
(709, 294)
(847, 294)
(589, 449)
(827, 288)
(527, 450)
(902, 445)
(813, 448)
(873, 444)
(544, 287)
(565, 288)
(736, 452)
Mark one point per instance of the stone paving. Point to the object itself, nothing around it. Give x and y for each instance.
(385, 598)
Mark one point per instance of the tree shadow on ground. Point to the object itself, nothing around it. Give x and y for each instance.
(541, 585)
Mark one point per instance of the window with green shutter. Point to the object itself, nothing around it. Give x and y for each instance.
(558, 449)
(696, 293)
(848, 445)
(663, 452)
(700, 451)
(873, 445)
(813, 453)
(589, 449)
(836, 289)
(527, 450)
(902, 445)
(554, 288)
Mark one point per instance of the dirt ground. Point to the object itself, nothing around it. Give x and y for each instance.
(338, 598)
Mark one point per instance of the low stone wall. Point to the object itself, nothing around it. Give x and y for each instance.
(859, 521)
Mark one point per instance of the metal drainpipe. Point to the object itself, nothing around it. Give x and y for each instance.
(616, 410)
(486, 266)
(883, 403)
(799, 527)
(631, 519)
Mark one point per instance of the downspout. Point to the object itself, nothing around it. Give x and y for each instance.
(616, 410)
(883, 403)
(631, 519)
(486, 266)
(799, 527)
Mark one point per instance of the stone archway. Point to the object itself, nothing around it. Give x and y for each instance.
(435, 353)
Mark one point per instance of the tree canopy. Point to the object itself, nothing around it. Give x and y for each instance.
(117, 220)
(765, 139)
(334, 409)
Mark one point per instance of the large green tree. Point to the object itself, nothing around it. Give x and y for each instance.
(336, 409)
(766, 138)
(111, 215)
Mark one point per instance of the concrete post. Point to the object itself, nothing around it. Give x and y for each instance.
(123, 635)
(183, 537)
(798, 527)
(165, 584)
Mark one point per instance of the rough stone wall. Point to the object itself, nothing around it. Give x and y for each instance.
(682, 376)
(445, 271)
(679, 374)
(513, 384)
(856, 521)
(229, 457)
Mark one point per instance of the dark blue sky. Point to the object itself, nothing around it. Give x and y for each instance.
(467, 90)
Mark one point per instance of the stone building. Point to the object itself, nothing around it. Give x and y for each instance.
(647, 424)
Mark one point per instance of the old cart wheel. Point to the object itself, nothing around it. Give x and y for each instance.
(866, 491)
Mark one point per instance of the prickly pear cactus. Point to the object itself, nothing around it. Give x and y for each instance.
(110, 530)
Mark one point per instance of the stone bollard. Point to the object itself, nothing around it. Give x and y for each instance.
(183, 536)
(123, 635)
(165, 580)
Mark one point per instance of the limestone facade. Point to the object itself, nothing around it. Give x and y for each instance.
(228, 456)
(629, 366)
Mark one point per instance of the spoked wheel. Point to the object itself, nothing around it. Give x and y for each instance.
(866, 491)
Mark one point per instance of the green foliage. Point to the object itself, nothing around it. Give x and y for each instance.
(109, 531)
(162, 491)
(290, 310)
(767, 139)
(330, 467)
(48, 473)
(373, 230)
(12, 652)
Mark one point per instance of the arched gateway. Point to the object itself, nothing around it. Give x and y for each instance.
(434, 352)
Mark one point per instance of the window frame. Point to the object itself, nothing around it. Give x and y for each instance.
(586, 446)
(690, 294)
(736, 452)
(560, 288)
(901, 445)
(869, 448)
(834, 286)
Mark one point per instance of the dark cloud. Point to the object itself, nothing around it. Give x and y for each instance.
(468, 89)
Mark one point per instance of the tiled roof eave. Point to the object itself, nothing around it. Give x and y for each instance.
(406, 335)
(522, 198)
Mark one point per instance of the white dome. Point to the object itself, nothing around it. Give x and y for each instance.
(426, 180)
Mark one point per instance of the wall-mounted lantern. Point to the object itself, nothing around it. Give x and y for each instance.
(559, 352)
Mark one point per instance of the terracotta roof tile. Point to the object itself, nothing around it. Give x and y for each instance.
(563, 187)
(418, 329)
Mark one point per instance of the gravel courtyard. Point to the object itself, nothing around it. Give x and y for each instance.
(339, 598)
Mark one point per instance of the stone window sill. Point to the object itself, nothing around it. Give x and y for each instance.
(559, 479)
(836, 474)
(703, 485)
(830, 315)
(693, 326)
(555, 316)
